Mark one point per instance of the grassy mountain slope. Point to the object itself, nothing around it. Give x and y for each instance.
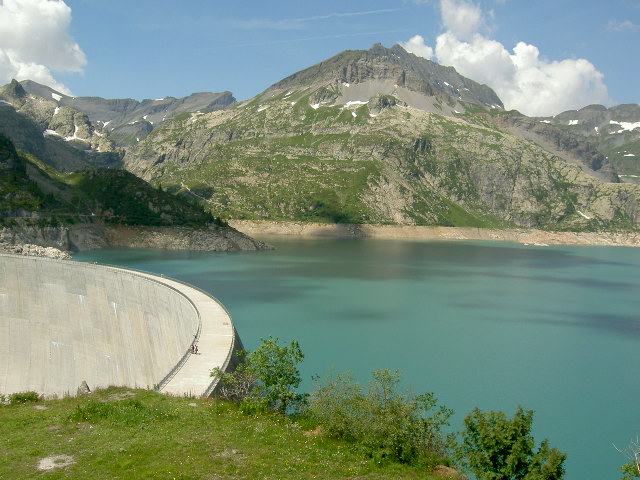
(290, 157)
(32, 192)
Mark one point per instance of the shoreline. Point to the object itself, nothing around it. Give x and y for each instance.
(416, 232)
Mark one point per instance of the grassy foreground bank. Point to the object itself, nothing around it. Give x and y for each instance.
(125, 433)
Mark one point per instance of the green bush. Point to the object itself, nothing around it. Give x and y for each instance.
(386, 423)
(266, 378)
(23, 397)
(497, 448)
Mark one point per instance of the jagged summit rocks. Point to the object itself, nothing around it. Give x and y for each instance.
(358, 75)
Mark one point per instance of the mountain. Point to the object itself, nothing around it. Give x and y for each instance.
(98, 208)
(65, 138)
(357, 75)
(383, 136)
(615, 132)
(127, 120)
(72, 133)
(35, 193)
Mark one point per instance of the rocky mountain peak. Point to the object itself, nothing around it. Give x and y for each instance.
(382, 70)
(13, 92)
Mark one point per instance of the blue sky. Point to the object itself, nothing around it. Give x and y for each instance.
(154, 48)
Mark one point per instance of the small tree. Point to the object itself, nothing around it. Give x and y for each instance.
(631, 469)
(275, 368)
(269, 375)
(496, 448)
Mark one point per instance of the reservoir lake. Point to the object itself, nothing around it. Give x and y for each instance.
(488, 324)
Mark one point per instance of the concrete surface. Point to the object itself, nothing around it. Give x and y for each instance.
(65, 322)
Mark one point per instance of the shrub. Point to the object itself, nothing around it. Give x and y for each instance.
(23, 397)
(386, 423)
(497, 448)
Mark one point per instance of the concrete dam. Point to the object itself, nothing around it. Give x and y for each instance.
(64, 322)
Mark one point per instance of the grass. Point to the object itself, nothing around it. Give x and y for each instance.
(124, 433)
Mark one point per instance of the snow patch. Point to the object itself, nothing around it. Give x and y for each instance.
(346, 84)
(355, 102)
(145, 117)
(625, 126)
(456, 111)
(262, 107)
(629, 155)
(315, 106)
(372, 115)
(632, 176)
(573, 122)
(56, 97)
(4, 101)
(583, 215)
(354, 114)
(55, 112)
(545, 121)
(293, 103)
(596, 129)
(75, 134)
(50, 132)
(447, 84)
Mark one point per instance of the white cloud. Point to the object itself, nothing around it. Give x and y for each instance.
(461, 18)
(417, 46)
(34, 41)
(521, 78)
(624, 26)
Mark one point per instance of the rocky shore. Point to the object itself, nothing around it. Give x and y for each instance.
(59, 241)
(34, 250)
(412, 232)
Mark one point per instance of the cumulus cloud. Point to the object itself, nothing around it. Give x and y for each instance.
(35, 40)
(417, 46)
(522, 78)
(462, 19)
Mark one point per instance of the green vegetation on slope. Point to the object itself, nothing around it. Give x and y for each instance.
(33, 192)
(133, 434)
(286, 158)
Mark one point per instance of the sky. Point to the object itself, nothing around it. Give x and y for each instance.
(541, 57)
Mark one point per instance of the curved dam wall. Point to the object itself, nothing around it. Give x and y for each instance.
(64, 322)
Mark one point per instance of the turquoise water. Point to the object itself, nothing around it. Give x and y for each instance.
(493, 325)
